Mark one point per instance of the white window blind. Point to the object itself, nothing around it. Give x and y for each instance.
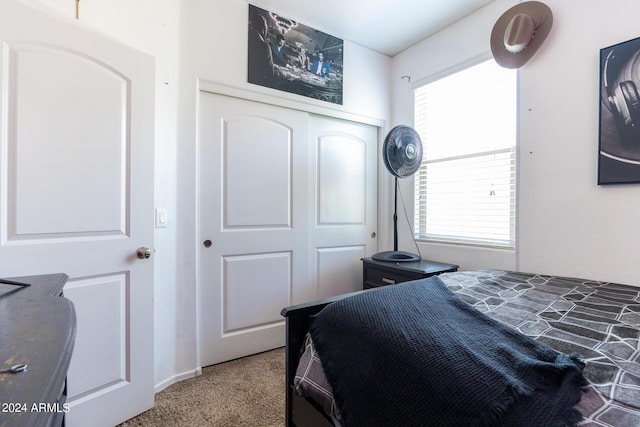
(465, 190)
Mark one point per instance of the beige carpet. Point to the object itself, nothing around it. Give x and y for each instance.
(244, 392)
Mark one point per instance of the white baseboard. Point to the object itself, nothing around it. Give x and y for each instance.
(177, 378)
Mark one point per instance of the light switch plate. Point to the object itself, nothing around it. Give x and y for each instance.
(161, 217)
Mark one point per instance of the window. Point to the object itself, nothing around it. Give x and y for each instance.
(465, 190)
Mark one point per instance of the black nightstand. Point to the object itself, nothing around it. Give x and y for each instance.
(381, 273)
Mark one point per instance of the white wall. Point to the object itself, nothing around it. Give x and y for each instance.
(568, 225)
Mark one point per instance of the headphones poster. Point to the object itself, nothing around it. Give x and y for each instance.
(619, 147)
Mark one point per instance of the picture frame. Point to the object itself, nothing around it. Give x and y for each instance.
(619, 138)
(286, 55)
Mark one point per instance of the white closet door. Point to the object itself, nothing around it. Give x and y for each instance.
(252, 204)
(287, 205)
(343, 211)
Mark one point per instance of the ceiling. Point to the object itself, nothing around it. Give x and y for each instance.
(386, 26)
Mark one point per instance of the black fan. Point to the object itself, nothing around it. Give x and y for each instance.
(402, 155)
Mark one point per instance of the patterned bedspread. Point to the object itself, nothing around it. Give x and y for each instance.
(601, 321)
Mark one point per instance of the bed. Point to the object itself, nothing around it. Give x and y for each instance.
(598, 321)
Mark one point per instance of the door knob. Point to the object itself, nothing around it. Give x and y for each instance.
(143, 253)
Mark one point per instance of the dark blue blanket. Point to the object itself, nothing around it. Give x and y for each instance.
(416, 354)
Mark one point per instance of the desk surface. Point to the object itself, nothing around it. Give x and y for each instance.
(37, 327)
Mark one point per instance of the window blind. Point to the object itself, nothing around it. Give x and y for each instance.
(465, 189)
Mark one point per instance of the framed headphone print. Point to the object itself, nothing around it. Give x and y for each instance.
(619, 146)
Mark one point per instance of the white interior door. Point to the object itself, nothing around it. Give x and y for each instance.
(76, 196)
(287, 205)
(344, 203)
(252, 203)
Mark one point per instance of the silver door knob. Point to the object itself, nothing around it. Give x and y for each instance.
(143, 253)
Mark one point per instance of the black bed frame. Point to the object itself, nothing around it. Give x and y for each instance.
(300, 411)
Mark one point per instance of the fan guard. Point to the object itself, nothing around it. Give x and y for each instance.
(402, 151)
(402, 155)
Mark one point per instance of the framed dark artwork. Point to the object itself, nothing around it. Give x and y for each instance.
(619, 146)
(286, 55)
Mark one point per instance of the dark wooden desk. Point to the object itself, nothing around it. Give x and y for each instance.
(381, 273)
(38, 328)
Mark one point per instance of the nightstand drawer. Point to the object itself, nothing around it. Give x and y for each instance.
(382, 277)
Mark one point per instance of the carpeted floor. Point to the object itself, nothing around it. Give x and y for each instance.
(244, 392)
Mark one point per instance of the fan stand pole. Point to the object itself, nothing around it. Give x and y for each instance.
(395, 217)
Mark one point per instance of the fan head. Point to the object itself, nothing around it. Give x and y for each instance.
(402, 151)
